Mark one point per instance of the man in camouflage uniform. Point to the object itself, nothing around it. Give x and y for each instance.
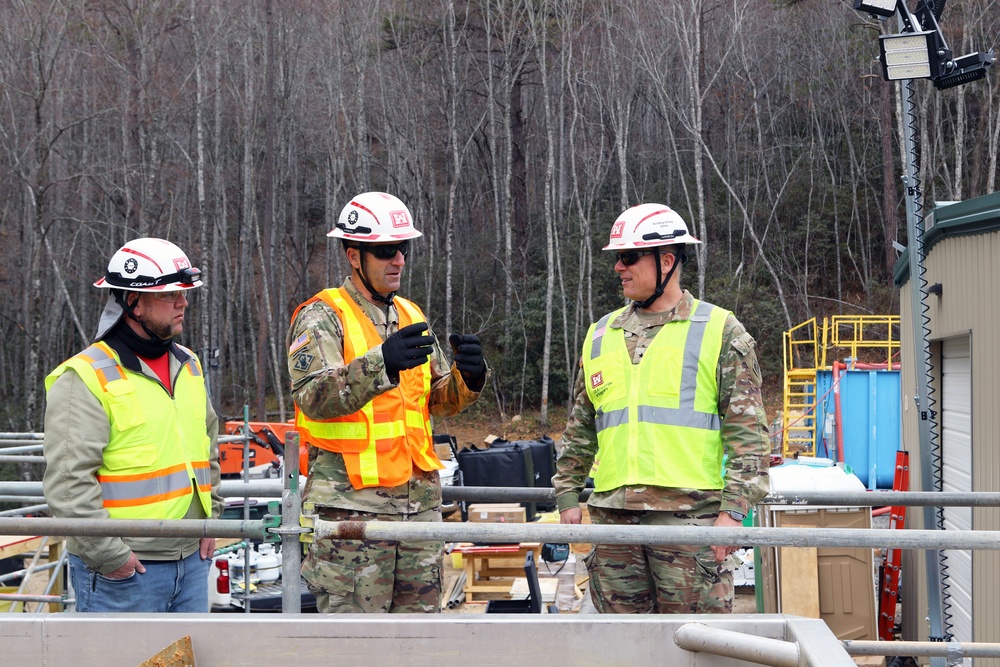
(652, 435)
(356, 359)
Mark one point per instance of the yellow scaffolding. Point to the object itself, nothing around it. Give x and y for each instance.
(809, 348)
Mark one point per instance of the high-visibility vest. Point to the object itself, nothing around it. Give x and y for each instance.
(657, 421)
(384, 440)
(157, 444)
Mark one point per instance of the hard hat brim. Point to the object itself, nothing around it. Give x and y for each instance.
(102, 283)
(337, 233)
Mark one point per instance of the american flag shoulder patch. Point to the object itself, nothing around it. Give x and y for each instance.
(298, 342)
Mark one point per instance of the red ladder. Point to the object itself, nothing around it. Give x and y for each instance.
(889, 592)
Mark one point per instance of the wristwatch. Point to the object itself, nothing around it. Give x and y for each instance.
(738, 516)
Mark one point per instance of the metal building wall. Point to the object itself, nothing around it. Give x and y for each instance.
(968, 269)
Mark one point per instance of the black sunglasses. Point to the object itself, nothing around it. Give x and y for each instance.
(630, 257)
(388, 251)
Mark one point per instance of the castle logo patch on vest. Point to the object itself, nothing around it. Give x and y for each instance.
(596, 380)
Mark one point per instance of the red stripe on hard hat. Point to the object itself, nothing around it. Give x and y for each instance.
(366, 210)
(657, 212)
(133, 252)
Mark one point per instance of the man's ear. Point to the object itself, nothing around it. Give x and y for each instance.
(354, 257)
(134, 302)
(667, 260)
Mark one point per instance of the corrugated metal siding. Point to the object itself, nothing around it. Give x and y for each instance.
(968, 268)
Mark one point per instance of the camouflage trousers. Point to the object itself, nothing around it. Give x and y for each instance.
(353, 576)
(671, 579)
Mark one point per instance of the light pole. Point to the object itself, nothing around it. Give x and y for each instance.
(919, 51)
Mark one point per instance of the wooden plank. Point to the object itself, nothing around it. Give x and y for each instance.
(549, 587)
(15, 545)
(799, 581)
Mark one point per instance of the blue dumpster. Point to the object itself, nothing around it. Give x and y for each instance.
(870, 422)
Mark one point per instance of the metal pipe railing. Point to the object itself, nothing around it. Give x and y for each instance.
(987, 540)
(291, 509)
(22, 499)
(27, 449)
(619, 534)
(951, 650)
(63, 554)
(20, 573)
(21, 458)
(698, 637)
(22, 598)
(272, 488)
(132, 527)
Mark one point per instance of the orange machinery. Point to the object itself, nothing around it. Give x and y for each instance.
(267, 444)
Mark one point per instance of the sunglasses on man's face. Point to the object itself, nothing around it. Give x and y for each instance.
(630, 257)
(384, 252)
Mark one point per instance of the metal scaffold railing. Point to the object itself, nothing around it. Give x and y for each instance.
(311, 527)
(294, 526)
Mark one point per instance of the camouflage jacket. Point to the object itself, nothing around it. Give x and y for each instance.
(744, 427)
(324, 386)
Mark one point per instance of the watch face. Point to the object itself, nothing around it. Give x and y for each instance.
(737, 515)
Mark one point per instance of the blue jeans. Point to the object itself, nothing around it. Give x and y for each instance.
(165, 586)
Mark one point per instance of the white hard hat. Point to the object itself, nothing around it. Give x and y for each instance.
(150, 265)
(648, 225)
(375, 217)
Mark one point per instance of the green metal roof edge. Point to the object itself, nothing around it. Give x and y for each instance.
(978, 215)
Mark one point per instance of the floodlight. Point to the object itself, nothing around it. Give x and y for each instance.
(966, 69)
(877, 7)
(908, 55)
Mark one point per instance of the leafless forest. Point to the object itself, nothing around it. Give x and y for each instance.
(516, 130)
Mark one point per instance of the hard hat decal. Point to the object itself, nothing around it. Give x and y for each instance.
(399, 218)
(182, 263)
(131, 266)
(352, 218)
(617, 228)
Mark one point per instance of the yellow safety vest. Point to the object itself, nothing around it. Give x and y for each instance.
(158, 444)
(657, 421)
(384, 440)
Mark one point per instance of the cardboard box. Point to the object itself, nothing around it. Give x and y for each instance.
(496, 513)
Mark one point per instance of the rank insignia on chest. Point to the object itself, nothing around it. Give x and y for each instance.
(596, 380)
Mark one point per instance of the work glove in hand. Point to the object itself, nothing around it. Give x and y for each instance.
(407, 348)
(468, 357)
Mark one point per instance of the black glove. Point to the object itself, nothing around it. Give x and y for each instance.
(407, 348)
(469, 357)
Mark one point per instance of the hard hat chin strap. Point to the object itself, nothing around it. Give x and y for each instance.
(660, 284)
(129, 310)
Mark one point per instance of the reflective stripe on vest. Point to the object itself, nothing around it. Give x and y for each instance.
(149, 462)
(657, 421)
(389, 435)
(172, 482)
